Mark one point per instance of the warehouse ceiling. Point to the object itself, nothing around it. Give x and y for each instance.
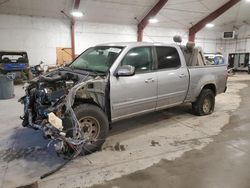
(176, 13)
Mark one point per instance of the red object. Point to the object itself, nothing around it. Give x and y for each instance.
(144, 22)
(72, 28)
(201, 24)
(76, 4)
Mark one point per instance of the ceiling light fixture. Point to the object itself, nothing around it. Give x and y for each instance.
(153, 20)
(76, 13)
(210, 25)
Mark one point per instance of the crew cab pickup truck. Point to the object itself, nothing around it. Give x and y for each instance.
(75, 105)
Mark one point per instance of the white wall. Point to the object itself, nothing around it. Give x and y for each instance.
(205, 39)
(239, 45)
(40, 36)
(90, 34)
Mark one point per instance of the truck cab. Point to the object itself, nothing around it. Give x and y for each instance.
(160, 80)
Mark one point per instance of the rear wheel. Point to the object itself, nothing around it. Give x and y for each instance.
(94, 126)
(204, 105)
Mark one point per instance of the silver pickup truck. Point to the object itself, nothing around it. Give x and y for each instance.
(75, 105)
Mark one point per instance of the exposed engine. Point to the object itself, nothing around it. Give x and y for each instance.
(49, 101)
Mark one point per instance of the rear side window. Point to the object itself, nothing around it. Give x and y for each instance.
(140, 58)
(168, 57)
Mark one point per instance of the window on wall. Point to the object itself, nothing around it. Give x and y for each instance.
(168, 57)
(140, 58)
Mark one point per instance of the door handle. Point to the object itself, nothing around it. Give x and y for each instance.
(182, 75)
(149, 80)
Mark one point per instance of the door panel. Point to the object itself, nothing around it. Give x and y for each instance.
(172, 87)
(136, 94)
(133, 95)
(172, 77)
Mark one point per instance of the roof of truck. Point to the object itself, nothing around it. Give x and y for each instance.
(132, 44)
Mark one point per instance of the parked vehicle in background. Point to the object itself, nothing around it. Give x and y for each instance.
(238, 61)
(75, 105)
(15, 62)
(214, 59)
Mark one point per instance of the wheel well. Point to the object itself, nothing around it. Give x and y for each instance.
(210, 86)
(88, 101)
(79, 101)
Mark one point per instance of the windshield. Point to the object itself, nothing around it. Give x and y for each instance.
(97, 59)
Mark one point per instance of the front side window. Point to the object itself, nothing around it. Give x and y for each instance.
(140, 58)
(168, 57)
(97, 59)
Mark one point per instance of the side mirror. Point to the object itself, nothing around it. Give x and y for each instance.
(125, 70)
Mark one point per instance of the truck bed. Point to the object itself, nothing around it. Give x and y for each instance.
(200, 75)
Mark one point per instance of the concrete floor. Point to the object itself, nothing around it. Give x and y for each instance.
(171, 148)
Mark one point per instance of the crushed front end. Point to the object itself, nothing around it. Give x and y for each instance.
(49, 106)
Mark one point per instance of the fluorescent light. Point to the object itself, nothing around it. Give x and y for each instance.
(210, 25)
(77, 13)
(153, 20)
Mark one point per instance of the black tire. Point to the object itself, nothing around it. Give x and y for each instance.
(201, 106)
(88, 111)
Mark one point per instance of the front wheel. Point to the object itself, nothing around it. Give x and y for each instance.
(204, 105)
(94, 126)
